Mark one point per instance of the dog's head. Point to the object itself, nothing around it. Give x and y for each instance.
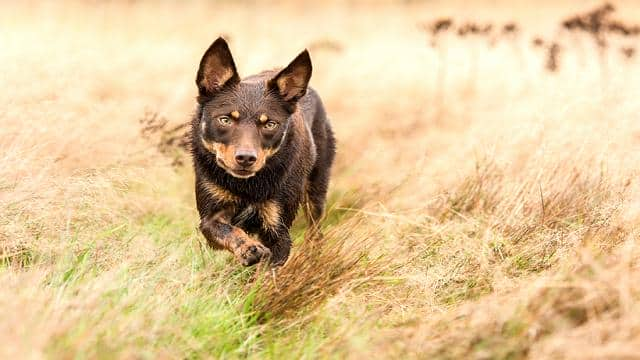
(245, 122)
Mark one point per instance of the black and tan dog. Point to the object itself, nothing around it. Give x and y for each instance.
(262, 146)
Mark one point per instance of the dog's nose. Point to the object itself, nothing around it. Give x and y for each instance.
(246, 158)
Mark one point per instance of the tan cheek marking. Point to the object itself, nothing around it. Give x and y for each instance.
(227, 154)
(270, 152)
(219, 193)
(235, 114)
(263, 118)
(269, 213)
(220, 149)
(214, 147)
(209, 146)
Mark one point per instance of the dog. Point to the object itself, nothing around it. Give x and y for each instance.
(262, 147)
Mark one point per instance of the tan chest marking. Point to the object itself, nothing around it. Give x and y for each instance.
(220, 194)
(269, 213)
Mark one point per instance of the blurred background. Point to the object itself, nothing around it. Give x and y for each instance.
(488, 154)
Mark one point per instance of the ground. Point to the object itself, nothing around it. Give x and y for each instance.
(481, 205)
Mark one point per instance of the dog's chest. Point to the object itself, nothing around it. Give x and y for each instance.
(256, 217)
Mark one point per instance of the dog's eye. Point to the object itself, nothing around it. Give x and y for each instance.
(225, 120)
(270, 125)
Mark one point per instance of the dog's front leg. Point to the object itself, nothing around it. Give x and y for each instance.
(279, 242)
(220, 234)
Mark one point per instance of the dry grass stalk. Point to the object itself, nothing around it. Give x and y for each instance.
(320, 267)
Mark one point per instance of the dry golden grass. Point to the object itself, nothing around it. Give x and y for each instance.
(490, 213)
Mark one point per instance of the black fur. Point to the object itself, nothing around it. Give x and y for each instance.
(302, 148)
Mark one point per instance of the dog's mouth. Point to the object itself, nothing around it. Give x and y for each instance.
(237, 173)
(241, 173)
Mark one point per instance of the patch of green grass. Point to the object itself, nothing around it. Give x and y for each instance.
(188, 301)
(509, 341)
(465, 289)
(300, 343)
(531, 262)
(218, 327)
(204, 296)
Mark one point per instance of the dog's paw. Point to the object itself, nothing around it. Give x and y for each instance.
(252, 252)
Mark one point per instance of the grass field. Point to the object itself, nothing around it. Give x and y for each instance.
(481, 206)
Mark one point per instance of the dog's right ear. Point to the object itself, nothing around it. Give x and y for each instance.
(217, 69)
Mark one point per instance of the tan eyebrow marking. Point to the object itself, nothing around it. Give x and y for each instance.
(263, 118)
(235, 114)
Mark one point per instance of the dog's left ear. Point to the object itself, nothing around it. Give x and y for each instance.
(291, 83)
(217, 69)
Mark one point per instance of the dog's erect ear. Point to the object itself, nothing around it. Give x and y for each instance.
(217, 69)
(291, 83)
